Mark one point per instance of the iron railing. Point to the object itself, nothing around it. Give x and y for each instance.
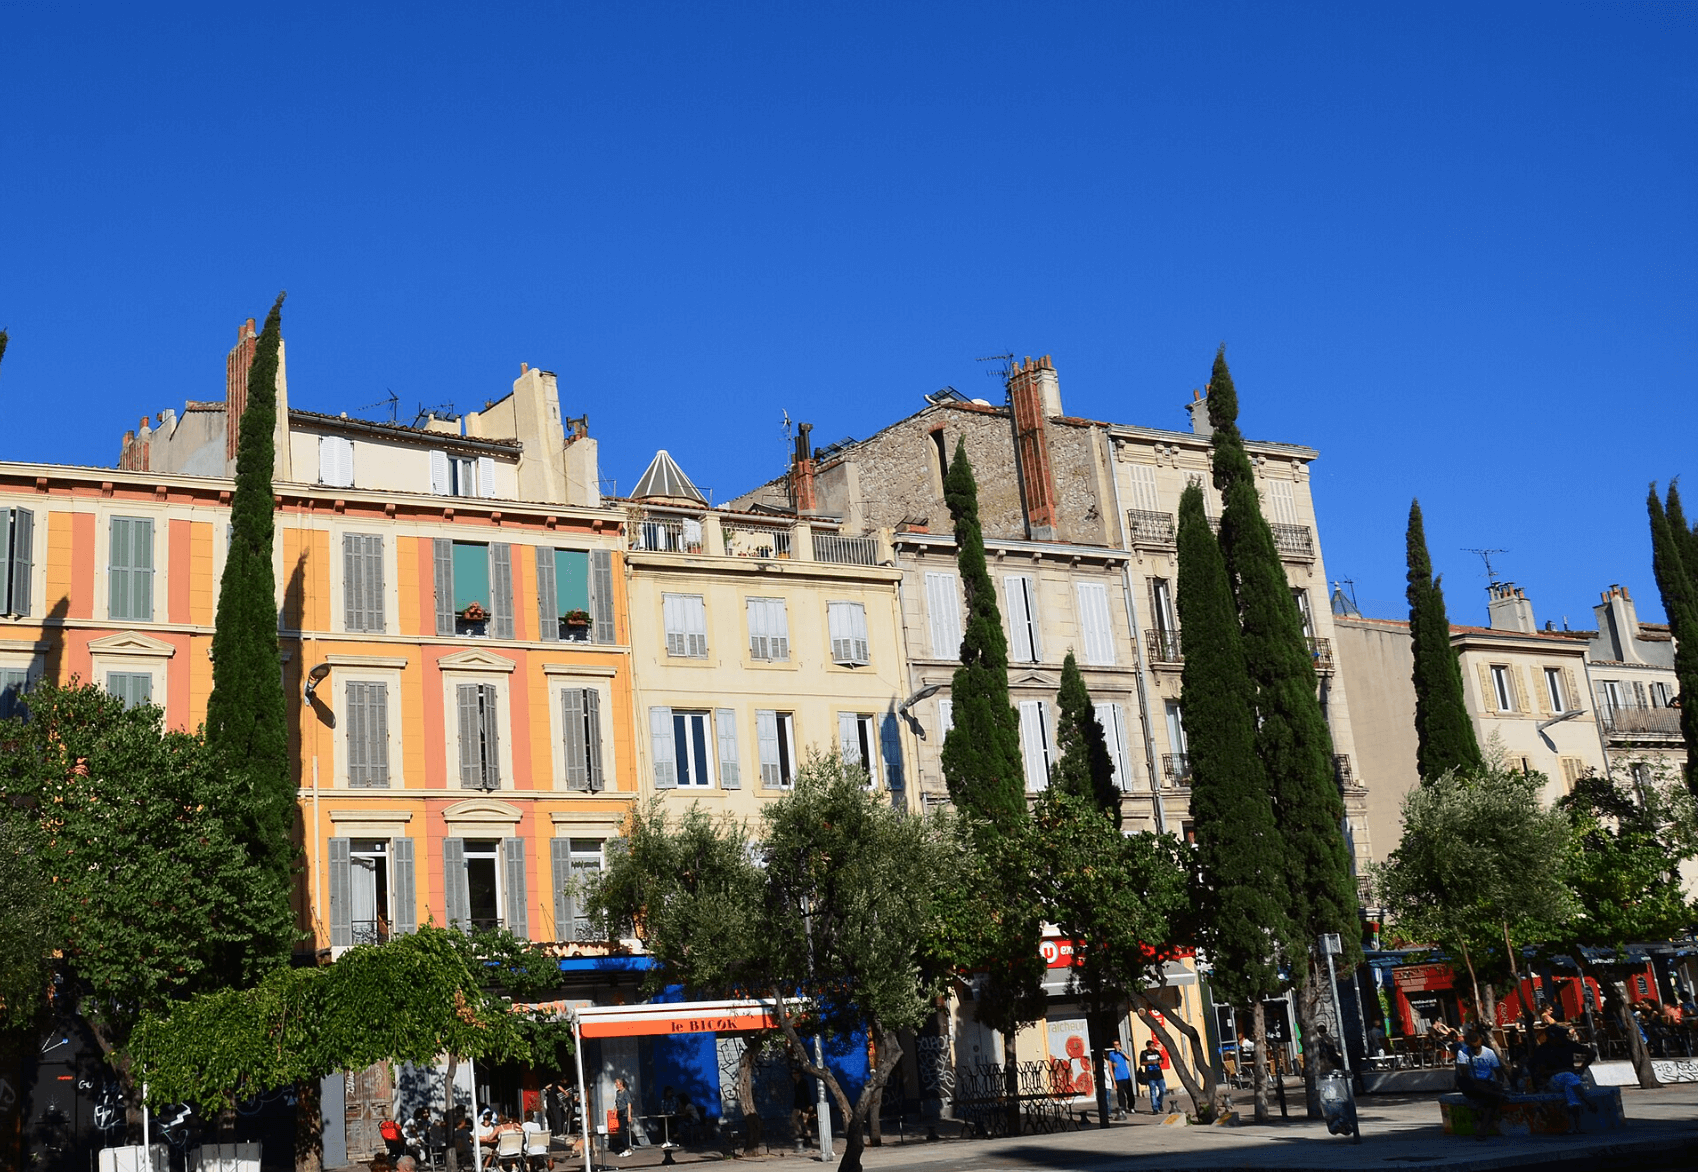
(755, 541)
(1176, 767)
(1149, 528)
(1321, 649)
(664, 534)
(1640, 720)
(1294, 541)
(1041, 1102)
(846, 551)
(369, 931)
(1164, 646)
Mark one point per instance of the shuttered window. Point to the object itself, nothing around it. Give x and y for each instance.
(769, 629)
(471, 572)
(575, 863)
(730, 767)
(366, 714)
(601, 597)
(847, 624)
(401, 889)
(685, 618)
(338, 864)
(1142, 480)
(857, 740)
(1094, 623)
(14, 681)
(1281, 503)
(1022, 619)
(663, 748)
(513, 888)
(17, 542)
(563, 588)
(335, 461)
(129, 569)
(945, 716)
(1114, 736)
(456, 890)
(943, 612)
(362, 582)
(134, 688)
(776, 732)
(1035, 743)
(480, 743)
(581, 721)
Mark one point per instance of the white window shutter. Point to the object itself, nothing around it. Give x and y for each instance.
(1094, 623)
(778, 629)
(945, 716)
(1034, 744)
(345, 462)
(730, 764)
(943, 609)
(1017, 587)
(1108, 715)
(766, 734)
(665, 749)
(848, 739)
(486, 476)
(758, 645)
(441, 482)
(1143, 482)
(327, 463)
(695, 613)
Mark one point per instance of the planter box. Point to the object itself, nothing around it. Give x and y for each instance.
(135, 1158)
(225, 1158)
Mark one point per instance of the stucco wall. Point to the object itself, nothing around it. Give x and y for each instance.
(1376, 661)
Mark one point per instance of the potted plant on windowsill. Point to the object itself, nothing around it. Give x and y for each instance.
(472, 612)
(576, 620)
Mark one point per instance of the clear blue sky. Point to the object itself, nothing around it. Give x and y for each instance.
(1450, 247)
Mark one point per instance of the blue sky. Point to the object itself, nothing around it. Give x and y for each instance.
(1451, 247)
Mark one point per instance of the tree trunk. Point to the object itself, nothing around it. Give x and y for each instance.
(1204, 1098)
(1473, 979)
(1635, 1042)
(1259, 1064)
(1306, 1001)
(752, 1128)
(1097, 1026)
(309, 1127)
(875, 1127)
(888, 1051)
(451, 1158)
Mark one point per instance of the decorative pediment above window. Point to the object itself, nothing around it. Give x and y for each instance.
(1034, 679)
(483, 811)
(130, 643)
(476, 661)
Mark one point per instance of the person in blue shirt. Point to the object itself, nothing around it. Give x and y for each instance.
(1479, 1076)
(1126, 1091)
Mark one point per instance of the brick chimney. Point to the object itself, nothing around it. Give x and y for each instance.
(802, 494)
(236, 386)
(1034, 394)
(135, 454)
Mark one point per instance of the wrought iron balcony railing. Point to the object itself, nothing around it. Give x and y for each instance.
(1321, 649)
(1342, 771)
(1164, 646)
(1294, 541)
(1640, 720)
(1177, 768)
(1149, 528)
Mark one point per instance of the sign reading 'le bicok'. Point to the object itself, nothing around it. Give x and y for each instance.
(679, 1017)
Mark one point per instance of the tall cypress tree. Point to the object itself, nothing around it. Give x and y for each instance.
(1241, 883)
(1674, 561)
(981, 754)
(1085, 768)
(1444, 733)
(246, 717)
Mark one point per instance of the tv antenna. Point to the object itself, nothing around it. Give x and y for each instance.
(441, 411)
(392, 402)
(1348, 587)
(1486, 556)
(1005, 371)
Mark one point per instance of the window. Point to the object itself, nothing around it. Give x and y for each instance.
(474, 588)
(368, 904)
(1141, 479)
(685, 617)
(575, 595)
(1176, 729)
(940, 449)
(730, 767)
(1282, 503)
(1573, 769)
(452, 475)
(580, 722)
(1301, 597)
(1094, 623)
(484, 883)
(14, 682)
(1610, 695)
(680, 741)
(857, 738)
(480, 741)
(1035, 743)
(1161, 606)
(371, 890)
(847, 622)
(362, 582)
(366, 714)
(776, 734)
(1022, 618)
(769, 630)
(1553, 686)
(1660, 695)
(132, 687)
(943, 610)
(1503, 688)
(576, 862)
(129, 569)
(945, 717)
(17, 533)
(1113, 722)
(335, 461)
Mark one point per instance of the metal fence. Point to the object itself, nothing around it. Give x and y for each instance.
(1294, 541)
(1042, 1103)
(755, 541)
(1640, 719)
(1149, 528)
(846, 551)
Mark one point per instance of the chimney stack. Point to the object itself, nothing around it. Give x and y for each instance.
(1509, 608)
(236, 385)
(1034, 395)
(1199, 409)
(802, 493)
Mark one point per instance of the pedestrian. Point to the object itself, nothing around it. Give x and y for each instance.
(1150, 1064)
(1479, 1076)
(622, 1114)
(1125, 1089)
(393, 1140)
(554, 1107)
(1327, 1056)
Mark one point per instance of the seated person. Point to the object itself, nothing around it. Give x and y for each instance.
(393, 1140)
(1479, 1076)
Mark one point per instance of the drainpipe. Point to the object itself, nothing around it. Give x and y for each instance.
(1137, 642)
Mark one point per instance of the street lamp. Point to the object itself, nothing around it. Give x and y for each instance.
(823, 1108)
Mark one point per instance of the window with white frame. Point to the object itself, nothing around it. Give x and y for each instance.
(943, 612)
(580, 725)
(1022, 618)
(372, 890)
(683, 745)
(769, 630)
(1660, 695)
(1113, 722)
(1503, 687)
(484, 883)
(1301, 597)
(335, 461)
(1035, 744)
(134, 688)
(129, 569)
(685, 619)
(945, 717)
(362, 582)
(456, 475)
(847, 624)
(577, 863)
(370, 918)
(14, 682)
(17, 560)
(1554, 688)
(776, 734)
(1177, 764)
(1094, 623)
(365, 715)
(1281, 502)
(857, 739)
(480, 737)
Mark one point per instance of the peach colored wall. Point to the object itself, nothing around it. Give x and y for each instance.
(177, 553)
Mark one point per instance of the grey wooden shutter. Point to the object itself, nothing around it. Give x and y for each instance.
(456, 892)
(577, 752)
(19, 560)
(891, 735)
(471, 756)
(513, 860)
(377, 735)
(664, 747)
(766, 741)
(548, 606)
(353, 593)
(491, 738)
(118, 569)
(141, 575)
(374, 583)
(592, 738)
(444, 558)
(560, 875)
(725, 733)
(341, 894)
(354, 715)
(601, 596)
(401, 894)
(501, 590)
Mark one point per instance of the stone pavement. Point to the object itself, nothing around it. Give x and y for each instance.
(1662, 1134)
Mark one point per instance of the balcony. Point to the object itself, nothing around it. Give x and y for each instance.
(1341, 771)
(846, 551)
(665, 534)
(1149, 528)
(1294, 541)
(755, 541)
(1176, 767)
(1636, 720)
(369, 931)
(1163, 646)
(1321, 649)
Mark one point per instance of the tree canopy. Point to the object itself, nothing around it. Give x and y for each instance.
(1674, 561)
(1084, 767)
(30, 937)
(1443, 729)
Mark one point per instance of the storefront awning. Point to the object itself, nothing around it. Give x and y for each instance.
(675, 1017)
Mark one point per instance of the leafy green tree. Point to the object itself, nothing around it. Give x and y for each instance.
(1444, 733)
(246, 717)
(29, 939)
(1674, 561)
(153, 898)
(1240, 879)
(1084, 768)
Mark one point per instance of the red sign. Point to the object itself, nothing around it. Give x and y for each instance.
(1423, 978)
(1057, 954)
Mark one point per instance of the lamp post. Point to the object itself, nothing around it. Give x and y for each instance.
(1331, 947)
(823, 1108)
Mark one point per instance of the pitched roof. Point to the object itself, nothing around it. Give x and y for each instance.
(665, 479)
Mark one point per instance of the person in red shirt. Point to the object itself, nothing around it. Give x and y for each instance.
(392, 1137)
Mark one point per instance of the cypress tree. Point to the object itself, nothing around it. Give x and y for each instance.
(4, 338)
(1085, 768)
(1674, 561)
(1241, 856)
(981, 754)
(246, 717)
(1292, 739)
(1444, 733)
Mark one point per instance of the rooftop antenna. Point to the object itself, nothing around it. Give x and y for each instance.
(441, 411)
(1349, 587)
(1486, 556)
(392, 402)
(1005, 371)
